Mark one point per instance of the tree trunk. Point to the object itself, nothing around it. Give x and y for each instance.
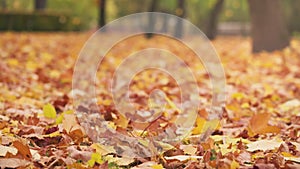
(294, 24)
(40, 4)
(151, 21)
(180, 12)
(269, 30)
(102, 8)
(212, 23)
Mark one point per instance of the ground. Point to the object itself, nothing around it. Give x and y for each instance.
(39, 127)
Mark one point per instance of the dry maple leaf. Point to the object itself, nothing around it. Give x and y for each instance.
(259, 124)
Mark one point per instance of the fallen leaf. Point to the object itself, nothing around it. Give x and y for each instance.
(234, 165)
(259, 124)
(101, 149)
(49, 111)
(35, 155)
(13, 163)
(188, 149)
(5, 149)
(69, 122)
(22, 149)
(203, 125)
(289, 105)
(264, 145)
(157, 166)
(95, 158)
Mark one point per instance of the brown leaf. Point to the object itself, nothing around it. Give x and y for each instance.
(22, 149)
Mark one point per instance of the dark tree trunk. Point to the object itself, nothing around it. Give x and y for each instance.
(294, 7)
(3, 4)
(212, 23)
(151, 21)
(102, 13)
(269, 30)
(180, 12)
(40, 4)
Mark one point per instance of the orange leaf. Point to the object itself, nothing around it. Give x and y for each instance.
(77, 135)
(259, 124)
(22, 149)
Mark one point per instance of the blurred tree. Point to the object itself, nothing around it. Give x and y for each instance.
(164, 27)
(212, 22)
(293, 7)
(3, 4)
(40, 4)
(196, 16)
(180, 12)
(269, 31)
(102, 13)
(84, 15)
(126, 7)
(151, 21)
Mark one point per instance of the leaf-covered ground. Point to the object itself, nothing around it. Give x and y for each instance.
(39, 128)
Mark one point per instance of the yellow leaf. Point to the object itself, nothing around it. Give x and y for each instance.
(199, 125)
(12, 62)
(121, 121)
(268, 89)
(59, 119)
(54, 134)
(144, 142)
(106, 102)
(54, 74)
(49, 111)
(245, 105)
(32, 66)
(234, 165)
(101, 149)
(202, 125)
(238, 96)
(212, 125)
(46, 57)
(95, 158)
(111, 125)
(286, 154)
(157, 166)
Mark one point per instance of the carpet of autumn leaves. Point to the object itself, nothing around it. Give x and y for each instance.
(39, 128)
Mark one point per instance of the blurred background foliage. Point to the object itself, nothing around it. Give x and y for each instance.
(83, 14)
(75, 15)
